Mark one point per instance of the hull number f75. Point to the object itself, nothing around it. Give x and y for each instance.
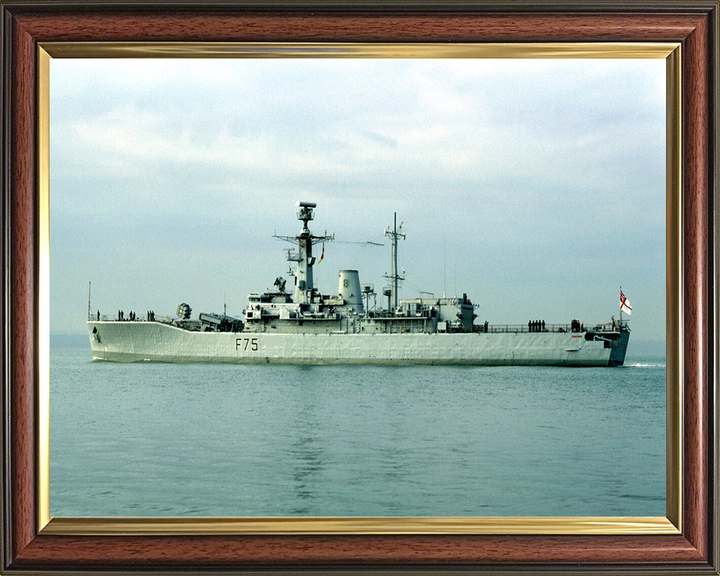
(243, 343)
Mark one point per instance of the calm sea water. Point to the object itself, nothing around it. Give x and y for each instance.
(151, 439)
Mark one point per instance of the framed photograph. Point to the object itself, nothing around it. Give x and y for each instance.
(114, 108)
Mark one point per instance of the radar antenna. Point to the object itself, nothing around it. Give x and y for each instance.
(366, 243)
(304, 286)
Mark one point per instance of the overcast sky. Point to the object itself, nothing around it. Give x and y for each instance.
(535, 186)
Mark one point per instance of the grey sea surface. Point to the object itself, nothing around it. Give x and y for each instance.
(152, 439)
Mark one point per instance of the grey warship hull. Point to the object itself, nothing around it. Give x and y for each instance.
(156, 341)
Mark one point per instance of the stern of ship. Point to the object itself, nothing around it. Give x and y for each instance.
(619, 347)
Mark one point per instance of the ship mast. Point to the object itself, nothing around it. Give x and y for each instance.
(394, 277)
(304, 286)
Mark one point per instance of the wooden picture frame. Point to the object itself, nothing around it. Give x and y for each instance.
(28, 547)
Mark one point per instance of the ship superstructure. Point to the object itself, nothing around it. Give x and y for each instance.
(304, 326)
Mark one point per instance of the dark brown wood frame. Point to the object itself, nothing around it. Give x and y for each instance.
(26, 23)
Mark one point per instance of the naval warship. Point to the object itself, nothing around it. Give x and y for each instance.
(308, 327)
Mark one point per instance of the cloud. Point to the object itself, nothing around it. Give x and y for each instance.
(498, 167)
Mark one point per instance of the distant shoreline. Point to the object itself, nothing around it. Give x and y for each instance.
(69, 342)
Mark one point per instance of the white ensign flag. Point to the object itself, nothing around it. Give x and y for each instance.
(624, 303)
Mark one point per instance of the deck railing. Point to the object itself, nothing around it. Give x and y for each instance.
(114, 318)
(517, 328)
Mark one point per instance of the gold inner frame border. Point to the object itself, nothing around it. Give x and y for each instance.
(100, 526)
